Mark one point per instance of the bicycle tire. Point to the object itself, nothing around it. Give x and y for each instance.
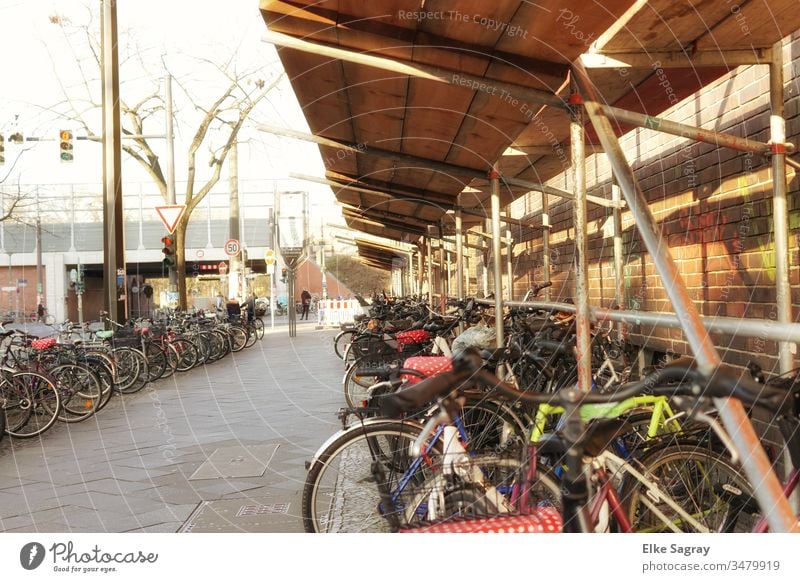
(259, 323)
(342, 475)
(187, 354)
(132, 369)
(702, 481)
(105, 372)
(237, 337)
(341, 340)
(43, 401)
(157, 361)
(81, 391)
(251, 335)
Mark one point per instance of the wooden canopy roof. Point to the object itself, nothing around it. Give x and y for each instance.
(417, 143)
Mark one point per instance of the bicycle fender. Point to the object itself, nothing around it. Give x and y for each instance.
(331, 439)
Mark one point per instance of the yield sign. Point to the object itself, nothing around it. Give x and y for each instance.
(170, 215)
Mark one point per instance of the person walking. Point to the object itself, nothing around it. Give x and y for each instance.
(305, 298)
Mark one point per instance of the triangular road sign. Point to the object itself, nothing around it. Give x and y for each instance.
(170, 215)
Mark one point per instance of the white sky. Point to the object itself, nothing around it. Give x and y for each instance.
(35, 57)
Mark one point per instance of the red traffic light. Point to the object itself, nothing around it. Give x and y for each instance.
(168, 241)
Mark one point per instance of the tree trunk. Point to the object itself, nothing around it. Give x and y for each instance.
(180, 260)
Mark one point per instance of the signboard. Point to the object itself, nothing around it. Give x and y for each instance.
(223, 268)
(170, 215)
(22, 282)
(269, 257)
(232, 247)
(292, 223)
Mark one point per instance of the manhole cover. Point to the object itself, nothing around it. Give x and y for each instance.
(251, 515)
(247, 510)
(239, 461)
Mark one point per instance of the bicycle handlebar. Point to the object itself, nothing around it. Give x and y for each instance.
(678, 378)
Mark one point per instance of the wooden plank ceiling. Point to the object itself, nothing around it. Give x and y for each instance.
(529, 44)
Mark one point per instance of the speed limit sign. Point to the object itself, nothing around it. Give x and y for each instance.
(232, 247)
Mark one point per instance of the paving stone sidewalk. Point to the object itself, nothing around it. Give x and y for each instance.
(219, 448)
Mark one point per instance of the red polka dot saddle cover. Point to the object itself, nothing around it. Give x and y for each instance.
(427, 366)
(541, 520)
(44, 343)
(411, 337)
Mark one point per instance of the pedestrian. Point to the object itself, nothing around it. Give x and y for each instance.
(40, 311)
(305, 298)
(234, 309)
(250, 308)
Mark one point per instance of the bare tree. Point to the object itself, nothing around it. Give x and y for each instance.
(215, 124)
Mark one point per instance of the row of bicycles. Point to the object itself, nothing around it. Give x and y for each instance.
(442, 431)
(73, 374)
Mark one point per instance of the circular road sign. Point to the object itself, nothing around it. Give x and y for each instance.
(232, 247)
(223, 268)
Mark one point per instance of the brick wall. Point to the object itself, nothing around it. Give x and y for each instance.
(714, 208)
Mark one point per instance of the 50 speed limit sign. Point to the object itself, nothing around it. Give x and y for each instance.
(232, 247)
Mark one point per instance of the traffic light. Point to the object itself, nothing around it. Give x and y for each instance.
(2, 149)
(283, 275)
(169, 251)
(65, 137)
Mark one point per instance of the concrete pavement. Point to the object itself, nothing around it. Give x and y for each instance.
(219, 448)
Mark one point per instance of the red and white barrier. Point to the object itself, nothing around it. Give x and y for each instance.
(335, 312)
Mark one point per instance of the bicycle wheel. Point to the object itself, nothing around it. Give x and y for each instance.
(356, 385)
(36, 397)
(187, 354)
(259, 323)
(342, 492)
(80, 391)
(103, 366)
(341, 340)
(219, 346)
(237, 337)
(132, 374)
(705, 485)
(156, 361)
(251, 335)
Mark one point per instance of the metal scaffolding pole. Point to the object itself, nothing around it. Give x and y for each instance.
(756, 464)
(729, 326)
(780, 210)
(459, 256)
(420, 269)
(485, 260)
(582, 323)
(443, 274)
(494, 177)
(510, 265)
(429, 257)
(546, 243)
(619, 259)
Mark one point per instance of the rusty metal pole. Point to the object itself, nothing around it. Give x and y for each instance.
(546, 243)
(429, 256)
(497, 242)
(756, 464)
(459, 256)
(582, 322)
(510, 264)
(619, 259)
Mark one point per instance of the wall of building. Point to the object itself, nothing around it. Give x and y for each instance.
(714, 207)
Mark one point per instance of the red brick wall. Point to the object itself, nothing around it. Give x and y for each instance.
(24, 299)
(714, 208)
